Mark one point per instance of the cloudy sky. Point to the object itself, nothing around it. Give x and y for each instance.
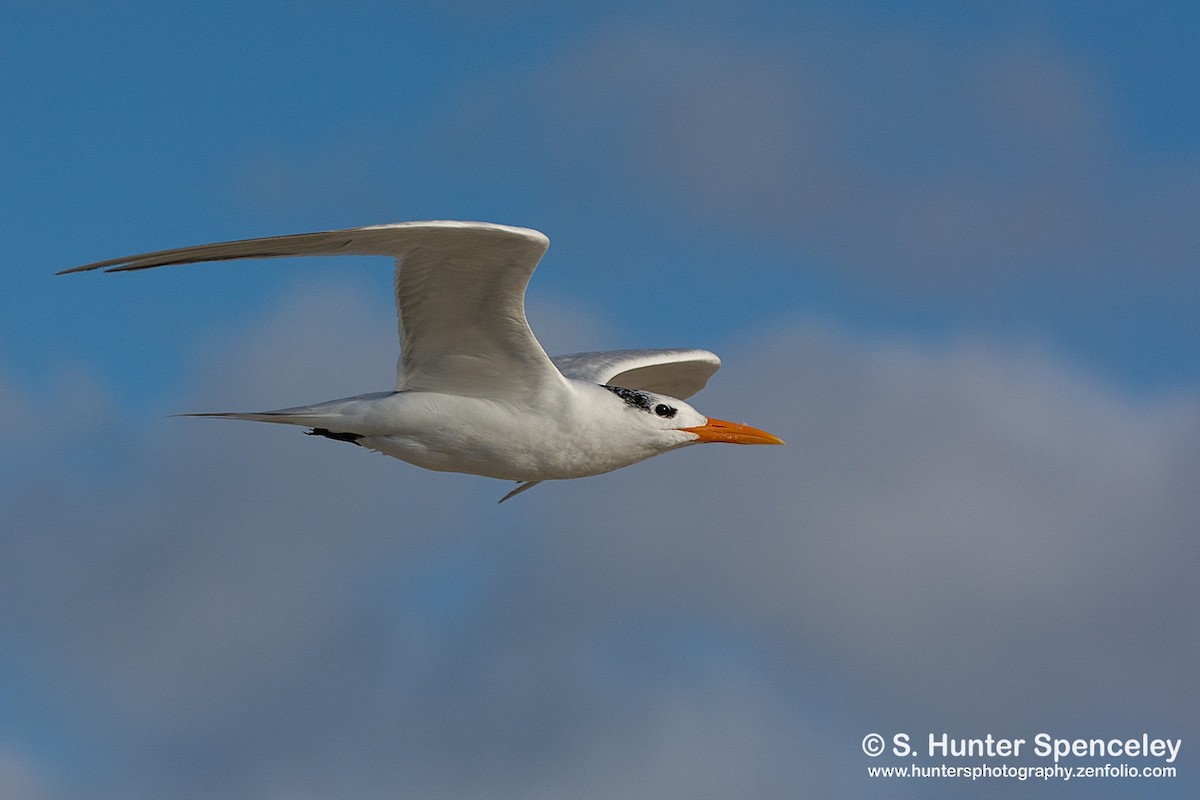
(947, 251)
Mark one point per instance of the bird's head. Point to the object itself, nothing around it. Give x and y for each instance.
(680, 424)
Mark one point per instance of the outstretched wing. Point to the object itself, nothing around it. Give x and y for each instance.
(460, 297)
(677, 373)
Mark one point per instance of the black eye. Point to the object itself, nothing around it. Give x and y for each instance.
(664, 410)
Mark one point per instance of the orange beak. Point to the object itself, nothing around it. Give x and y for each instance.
(718, 430)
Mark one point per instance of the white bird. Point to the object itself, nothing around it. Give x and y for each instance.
(475, 392)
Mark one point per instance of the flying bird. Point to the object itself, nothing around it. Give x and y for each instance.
(475, 392)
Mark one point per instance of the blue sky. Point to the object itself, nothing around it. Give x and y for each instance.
(882, 168)
(947, 251)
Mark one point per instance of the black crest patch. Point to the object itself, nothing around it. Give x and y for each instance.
(630, 396)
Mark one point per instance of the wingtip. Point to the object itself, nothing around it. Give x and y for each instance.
(113, 265)
(84, 268)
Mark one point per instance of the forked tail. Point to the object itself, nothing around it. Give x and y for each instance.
(317, 424)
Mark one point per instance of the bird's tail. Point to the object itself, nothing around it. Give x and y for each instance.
(283, 416)
(343, 414)
(317, 426)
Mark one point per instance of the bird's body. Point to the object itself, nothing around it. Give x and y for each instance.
(451, 433)
(475, 392)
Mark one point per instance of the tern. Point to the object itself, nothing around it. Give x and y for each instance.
(475, 392)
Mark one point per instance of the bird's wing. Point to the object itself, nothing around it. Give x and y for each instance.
(460, 297)
(678, 373)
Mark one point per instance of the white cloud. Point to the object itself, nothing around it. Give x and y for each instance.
(244, 611)
(933, 511)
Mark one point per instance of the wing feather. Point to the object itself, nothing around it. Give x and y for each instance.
(460, 297)
(677, 373)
